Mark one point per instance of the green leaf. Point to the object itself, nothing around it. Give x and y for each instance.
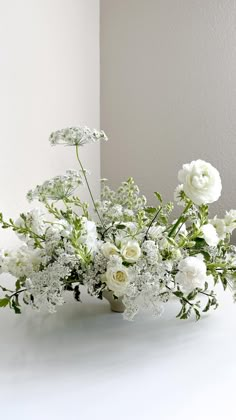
(18, 284)
(207, 307)
(200, 243)
(197, 314)
(178, 293)
(120, 226)
(4, 302)
(192, 294)
(151, 210)
(158, 196)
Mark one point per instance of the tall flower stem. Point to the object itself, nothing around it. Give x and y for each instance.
(87, 183)
(151, 223)
(180, 220)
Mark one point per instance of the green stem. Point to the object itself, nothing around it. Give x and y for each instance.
(17, 293)
(180, 219)
(87, 183)
(151, 223)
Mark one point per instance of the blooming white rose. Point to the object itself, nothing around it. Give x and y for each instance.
(201, 182)
(220, 227)
(131, 251)
(117, 279)
(109, 249)
(210, 234)
(192, 273)
(230, 221)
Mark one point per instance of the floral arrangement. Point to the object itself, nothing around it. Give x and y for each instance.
(126, 248)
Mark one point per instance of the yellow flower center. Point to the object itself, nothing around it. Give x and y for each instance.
(120, 276)
(131, 252)
(112, 251)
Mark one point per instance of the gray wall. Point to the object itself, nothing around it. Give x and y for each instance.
(168, 91)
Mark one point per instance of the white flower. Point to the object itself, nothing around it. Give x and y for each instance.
(109, 249)
(117, 279)
(155, 232)
(131, 251)
(192, 273)
(21, 262)
(76, 136)
(210, 234)
(201, 182)
(89, 238)
(230, 221)
(56, 188)
(219, 225)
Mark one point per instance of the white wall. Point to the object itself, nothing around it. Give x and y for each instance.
(49, 79)
(168, 91)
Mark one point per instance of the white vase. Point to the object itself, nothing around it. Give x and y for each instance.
(115, 304)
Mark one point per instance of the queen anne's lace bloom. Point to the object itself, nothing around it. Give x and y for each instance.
(57, 188)
(76, 136)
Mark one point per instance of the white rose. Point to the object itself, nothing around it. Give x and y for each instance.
(210, 234)
(117, 279)
(131, 251)
(201, 182)
(219, 225)
(192, 273)
(109, 249)
(230, 221)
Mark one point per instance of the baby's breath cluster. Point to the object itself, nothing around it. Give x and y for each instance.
(121, 249)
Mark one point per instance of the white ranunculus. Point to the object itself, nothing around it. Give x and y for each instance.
(131, 251)
(117, 279)
(220, 227)
(201, 182)
(210, 234)
(192, 273)
(109, 249)
(230, 221)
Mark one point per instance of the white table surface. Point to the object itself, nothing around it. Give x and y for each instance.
(88, 363)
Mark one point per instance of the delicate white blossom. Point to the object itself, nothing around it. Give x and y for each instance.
(220, 227)
(192, 273)
(76, 136)
(108, 249)
(89, 237)
(57, 188)
(201, 182)
(210, 234)
(230, 221)
(131, 251)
